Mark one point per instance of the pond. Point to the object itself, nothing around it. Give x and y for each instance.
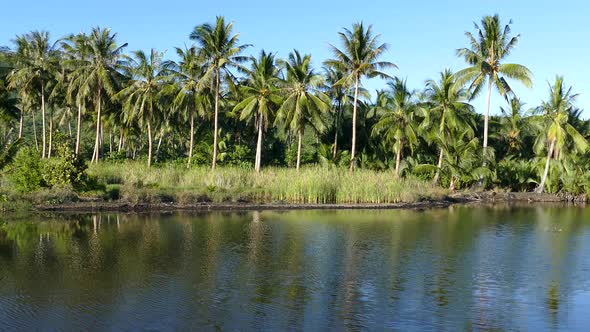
(458, 268)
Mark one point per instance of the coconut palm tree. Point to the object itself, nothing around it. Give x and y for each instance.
(446, 108)
(220, 51)
(36, 60)
(339, 97)
(460, 157)
(398, 123)
(304, 103)
(261, 97)
(189, 96)
(140, 97)
(555, 120)
(75, 52)
(98, 71)
(488, 48)
(359, 58)
(513, 126)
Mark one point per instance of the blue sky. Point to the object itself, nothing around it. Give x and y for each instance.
(423, 35)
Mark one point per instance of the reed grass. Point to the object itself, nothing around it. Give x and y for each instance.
(310, 185)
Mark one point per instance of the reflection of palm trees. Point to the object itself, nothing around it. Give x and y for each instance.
(559, 226)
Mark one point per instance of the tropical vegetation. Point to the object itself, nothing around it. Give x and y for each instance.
(87, 99)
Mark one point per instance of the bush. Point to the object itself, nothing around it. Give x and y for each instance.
(25, 171)
(65, 169)
(59, 194)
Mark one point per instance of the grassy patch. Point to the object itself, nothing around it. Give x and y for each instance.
(314, 184)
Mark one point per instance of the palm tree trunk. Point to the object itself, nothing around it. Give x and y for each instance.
(336, 127)
(217, 79)
(78, 127)
(354, 107)
(299, 148)
(101, 145)
(159, 144)
(485, 130)
(95, 155)
(259, 146)
(110, 142)
(50, 143)
(43, 138)
(35, 130)
(149, 128)
(192, 141)
(398, 159)
(20, 125)
(438, 168)
(120, 147)
(547, 163)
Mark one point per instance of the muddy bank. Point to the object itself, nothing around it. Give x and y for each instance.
(125, 207)
(457, 198)
(519, 197)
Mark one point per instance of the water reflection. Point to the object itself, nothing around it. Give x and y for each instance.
(454, 269)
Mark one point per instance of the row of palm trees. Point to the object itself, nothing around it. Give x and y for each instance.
(143, 95)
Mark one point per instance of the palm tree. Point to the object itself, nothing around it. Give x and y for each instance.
(488, 49)
(75, 52)
(339, 97)
(446, 109)
(36, 61)
(460, 156)
(556, 123)
(220, 51)
(398, 123)
(141, 95)
(512, 126)
(98, 71)
(262, 97)
(359, 58)
(189, 96)
(304, 103)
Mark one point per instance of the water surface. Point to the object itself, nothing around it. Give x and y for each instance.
(459, 268)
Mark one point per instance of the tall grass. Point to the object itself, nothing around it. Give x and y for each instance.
(311, 185)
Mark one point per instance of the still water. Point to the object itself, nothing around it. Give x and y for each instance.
(461, 268)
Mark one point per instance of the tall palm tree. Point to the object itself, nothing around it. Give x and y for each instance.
(221, 51)
(339, 97)
(36, 61)
(556, 123)
(398, 122)
(99, 71)
(359, 58)
(262, 97)
(189, 95)
(304, 103)
(141, 95)
(446, 111)
(488, 49)
(75, 52)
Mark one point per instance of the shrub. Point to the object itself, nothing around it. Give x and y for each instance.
(59, 194)
(65, 169)
(25, 170)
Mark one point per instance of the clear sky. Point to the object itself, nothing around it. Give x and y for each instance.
(423, 35)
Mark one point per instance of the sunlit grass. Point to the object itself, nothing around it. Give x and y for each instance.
(311, 185)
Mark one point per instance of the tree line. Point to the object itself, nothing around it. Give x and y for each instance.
(216, 105)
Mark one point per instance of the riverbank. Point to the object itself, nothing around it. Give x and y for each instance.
(131, 186)
(476, 198)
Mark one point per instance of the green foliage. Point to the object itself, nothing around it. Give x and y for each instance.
(519, 175)
(65, 169)
(25, 171)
